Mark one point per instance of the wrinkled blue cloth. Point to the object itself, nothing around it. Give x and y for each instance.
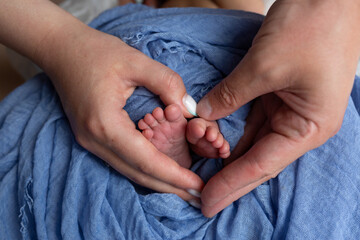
(51, 188)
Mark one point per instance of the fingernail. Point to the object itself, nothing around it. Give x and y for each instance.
(190, 104)
(194, 192)
(195, 203)
(204, 108)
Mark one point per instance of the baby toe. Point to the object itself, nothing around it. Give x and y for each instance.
(224, 155)
(142, 124)
(148, 133)
(173, 113)
(150, 120)
(224, 150)
(158, 114)
(211, 134)
(219, 141)
(195, 130)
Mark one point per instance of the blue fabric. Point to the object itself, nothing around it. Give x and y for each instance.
(51, 188)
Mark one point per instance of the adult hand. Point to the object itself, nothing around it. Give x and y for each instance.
(302, 65)
(94, 80)
(94, 74)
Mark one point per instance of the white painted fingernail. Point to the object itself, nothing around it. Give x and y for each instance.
(194, 193)
(190, 104)
(195, 203)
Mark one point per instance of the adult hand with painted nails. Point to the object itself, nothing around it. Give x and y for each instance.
(300, 71)
(94, 74)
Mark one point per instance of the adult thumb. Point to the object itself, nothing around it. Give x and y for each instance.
(241, 86)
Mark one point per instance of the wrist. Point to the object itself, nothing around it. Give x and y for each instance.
(34, 28)
(60, 44)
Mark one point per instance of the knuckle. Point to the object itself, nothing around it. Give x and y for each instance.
(171, 79)
(261, 65)
(94, 128)
(227, 96)
(88, 132)
(261, 169)
(257, 64)
(145, 168)
(91, 126)
(82, 140)
(267, 70)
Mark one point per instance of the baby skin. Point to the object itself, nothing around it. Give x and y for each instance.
(173, 135)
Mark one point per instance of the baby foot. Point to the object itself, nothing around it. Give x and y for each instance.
(206, 139)
(166, 130)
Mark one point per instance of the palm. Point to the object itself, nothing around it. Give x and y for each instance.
(272, 121)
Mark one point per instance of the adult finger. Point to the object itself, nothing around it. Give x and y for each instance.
(146, 161)
(264, 160)
(154, 163)
(254, 121)
(136, 175)
(161, 81)
(210, 211)
(244, 84)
